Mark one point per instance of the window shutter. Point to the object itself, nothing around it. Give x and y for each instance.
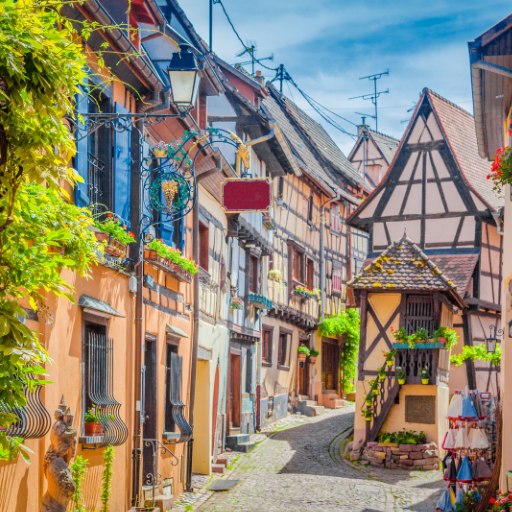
(122, 170)
(146, 209)
(183, 234)
(81, 164)
(336, 277)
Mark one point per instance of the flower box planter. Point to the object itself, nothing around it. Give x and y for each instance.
(168, 266)
(429, 344)
(236, 303)
(259, 301)
(113, 246)
(93, 429)
(268, 222)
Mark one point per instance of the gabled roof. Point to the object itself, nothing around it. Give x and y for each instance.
(387, 144)
(459, 128)
(312, 145)
(403, 266)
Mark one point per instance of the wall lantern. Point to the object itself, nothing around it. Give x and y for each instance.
(493, 339)
(184, 77)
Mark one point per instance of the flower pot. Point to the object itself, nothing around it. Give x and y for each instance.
(441, 340)
(312, 359)
(390, 363)
(369, 403)
(375, 392)
(160, 153)
(93, 429)
(425, 381)
(302, 357)
(401, 381)
(368, 418)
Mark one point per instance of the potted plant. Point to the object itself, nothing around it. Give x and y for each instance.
(275, 275)
(447, 336)
(390, 357)
(420, 336)
(382, 374)
(160, 151)
(236, 303)
(303, 291)
(115, 234)
(368, 415)
(313, 354)
(303, 353)
(92, 424)
(369, 400)
(425, 376)
(400, 375)
(374, 386)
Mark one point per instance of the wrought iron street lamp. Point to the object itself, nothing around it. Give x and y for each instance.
(184, 78)
(493, 339)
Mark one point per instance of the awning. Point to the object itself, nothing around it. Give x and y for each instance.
(92, 303)
(174, 330)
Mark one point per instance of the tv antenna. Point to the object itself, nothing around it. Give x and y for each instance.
(375, 94)
(250, 50)
(281, 75)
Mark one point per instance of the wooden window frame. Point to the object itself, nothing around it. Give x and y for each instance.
(335, 218)
(254, 273)
(294, 248)
(310, 273)
(435, 315)
(289, 337)
(204, 253)
(337, 264)
(267, 362)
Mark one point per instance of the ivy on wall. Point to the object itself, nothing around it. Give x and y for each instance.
(345, 325)
(477, 352)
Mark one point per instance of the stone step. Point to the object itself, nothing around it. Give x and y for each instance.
(222, 460)
(233, 441)
(307, 403)
(218, 468)
(245, 447)
(337, 404)
(318, 409)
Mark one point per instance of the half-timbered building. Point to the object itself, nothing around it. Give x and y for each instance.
(436, 189)
(372, 153)
(311, 249)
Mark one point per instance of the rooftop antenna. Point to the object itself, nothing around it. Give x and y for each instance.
(375, 94)
(250, 50)
(281, 75)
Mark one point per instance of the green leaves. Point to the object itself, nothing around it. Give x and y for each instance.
(477, 352)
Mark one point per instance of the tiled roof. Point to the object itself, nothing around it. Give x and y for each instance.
(403, 266)
(459, 128)
(337, 165)
(457, 267)
(388, 145)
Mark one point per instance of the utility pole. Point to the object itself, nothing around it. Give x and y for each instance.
(375, 94)
(281, 75)
(211, 26)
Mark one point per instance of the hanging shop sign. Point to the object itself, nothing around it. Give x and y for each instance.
(246, 195)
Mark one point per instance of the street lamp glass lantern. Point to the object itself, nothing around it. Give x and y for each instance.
(184, 78)
(491, 344)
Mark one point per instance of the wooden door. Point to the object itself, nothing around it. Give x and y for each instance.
(235, 390)
(303, 377)
(150, 426)
(330, 365)
(215, 407)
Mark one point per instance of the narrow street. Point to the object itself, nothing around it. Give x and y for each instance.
(299, 468)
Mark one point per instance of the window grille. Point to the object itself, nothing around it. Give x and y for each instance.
(419, 314)
(95, 180)
(34, 419)
(174, 406)
(100, 389)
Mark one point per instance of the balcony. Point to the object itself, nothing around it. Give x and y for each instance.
(259, 301)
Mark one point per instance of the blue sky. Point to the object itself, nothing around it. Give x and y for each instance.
(327, 45)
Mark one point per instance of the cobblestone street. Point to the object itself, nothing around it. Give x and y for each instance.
(299, 468)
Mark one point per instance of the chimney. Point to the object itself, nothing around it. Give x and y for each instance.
(260, 79)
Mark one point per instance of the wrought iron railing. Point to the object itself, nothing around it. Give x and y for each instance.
(100, 389)
(96, 170)
(34, 419)
(413, 360)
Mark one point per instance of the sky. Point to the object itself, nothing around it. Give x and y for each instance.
(328, 45)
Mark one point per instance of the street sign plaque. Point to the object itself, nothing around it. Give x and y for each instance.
(246, 195)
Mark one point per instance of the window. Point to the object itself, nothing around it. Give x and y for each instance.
(310, 273)
(254, 274)
(266, 345)
(98, 357)
(298, 262)
(337, 277)
(310, 208)
(335, 218)
(204, 246)
(174, 420)
(282, 356)
(280, 189)
(419, 313)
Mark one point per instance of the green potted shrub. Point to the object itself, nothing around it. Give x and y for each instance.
(313, 354)
(447, 336)
(425, 376)
(400, 375)
(390, 357)
(303, 353)
(369, 400)
(382, 374)
(91, 422)
(374, 386)
(400, 335)
(368, 415)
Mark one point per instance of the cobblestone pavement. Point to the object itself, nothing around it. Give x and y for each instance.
(299, 467)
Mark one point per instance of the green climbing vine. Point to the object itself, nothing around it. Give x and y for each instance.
(347, 325)
(477, 352)
(106, 486)
(78, 469)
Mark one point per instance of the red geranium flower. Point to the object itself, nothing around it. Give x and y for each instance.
(131, 234)
(492, 500)
(117, 220)
(391, 328)
(109, 215)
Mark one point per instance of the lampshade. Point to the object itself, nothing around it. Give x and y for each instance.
(184, 78)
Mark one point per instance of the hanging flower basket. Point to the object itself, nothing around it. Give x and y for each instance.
(425, 381)
(312, 359)
(369, 402)
(389, 363)
(375, 392)
(301, 357)
(401, 382)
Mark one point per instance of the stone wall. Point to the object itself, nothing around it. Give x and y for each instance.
(406, 456)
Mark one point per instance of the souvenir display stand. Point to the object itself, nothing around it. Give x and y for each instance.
(470, 444)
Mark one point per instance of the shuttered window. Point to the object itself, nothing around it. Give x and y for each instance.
(81, 165)
(419, 313)
(310, 273)
(298, 263)
(123, 170)
(337, 277)
(266, 345)
(335, 218)
(282, 355)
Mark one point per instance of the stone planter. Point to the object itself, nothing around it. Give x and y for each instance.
(404, 456)
(93, 429)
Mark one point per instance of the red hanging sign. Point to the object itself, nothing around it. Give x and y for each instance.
(246, 195)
